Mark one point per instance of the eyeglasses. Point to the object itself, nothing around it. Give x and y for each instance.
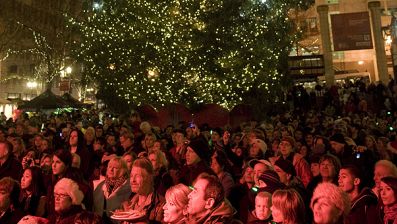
(60, 196)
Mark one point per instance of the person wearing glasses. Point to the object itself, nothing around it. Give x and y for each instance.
(68, 198)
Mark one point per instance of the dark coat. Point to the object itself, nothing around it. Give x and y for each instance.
(364, 209)
(11, 168)
(12, 216)
(66, 217)
(190, 173)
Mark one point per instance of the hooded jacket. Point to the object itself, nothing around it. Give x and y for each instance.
(364, 209)
(223, 213)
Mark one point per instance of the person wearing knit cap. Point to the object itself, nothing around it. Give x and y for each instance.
(329, 204)
(68, 198)
(197, 160)
(269, 181)
(258, 148)
(302, 168)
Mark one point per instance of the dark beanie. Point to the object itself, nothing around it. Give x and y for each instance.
(272, 180)
(286, 166)
(201, 148)
(65, 156)
(338, 137)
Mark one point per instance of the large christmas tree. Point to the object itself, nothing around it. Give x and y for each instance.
(187, 51)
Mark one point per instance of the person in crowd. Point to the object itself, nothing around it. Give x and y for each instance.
(302, 168)
(258, 149)
(114, 190)
(18, 146)
(9, 201)
(221, 167)
(146, 199)
(77, 145)
(329, 170)
(287, 207)
(127, 144)
(363, 201)
(89, 138)
(9, 165)
(86, 217)
(287, 174)
(162, 179)
(32, 197)
(383, 168)
(314, 162)
(178, 152)
(240, 193)
(388, 195)
(129, 159)
(176, 201)
(197, 159)
(207, 203)
(148, 141)
(76, 160)
(61, 163)
(262, 213)
(68, 198)
(330, 205)
(269, 181)
(349, 154)
(259, 167)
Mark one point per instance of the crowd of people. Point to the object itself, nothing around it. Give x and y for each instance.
(331, 162)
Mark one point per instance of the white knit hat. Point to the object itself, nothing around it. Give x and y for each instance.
(71, 188)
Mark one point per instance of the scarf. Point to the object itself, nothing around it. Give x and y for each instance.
(390, 214)
(113, 184)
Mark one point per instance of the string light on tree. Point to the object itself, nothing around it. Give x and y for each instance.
(207, 51)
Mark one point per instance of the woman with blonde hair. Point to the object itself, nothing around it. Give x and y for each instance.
(176, 204)
(115, 189)
(288, 207)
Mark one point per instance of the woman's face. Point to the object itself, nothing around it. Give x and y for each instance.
(277, 214)
(89, 136)
(157, 146)
(26, 180)
(58, 167)
(73, 138)
(327, 169)
(215, 166)
(315, 169)
(44, 145)
(324, 211)
(387, 194)
(285, 148)
(172, 212)
(129, 160)
(369, 142)
(153, 160)
(114, 170)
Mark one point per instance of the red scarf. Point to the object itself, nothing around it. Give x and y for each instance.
(390, 214)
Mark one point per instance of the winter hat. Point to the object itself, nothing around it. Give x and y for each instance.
(201, 148)
(71, 188)
(253, 162)
(218, 130)
(262, 145)
(289, 139)
(336, 195)
(272, 181)
(286, 166)
(338, 137)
